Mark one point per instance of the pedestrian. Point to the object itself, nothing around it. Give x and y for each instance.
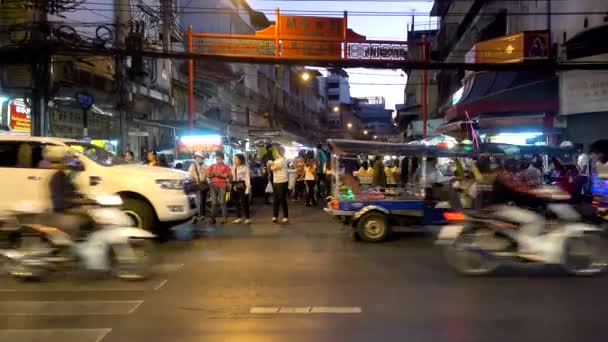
(241, 184)
(300, 187)
(198, 172)
(220, 174)
(162, 160)
(310, 169)
(268, 156)
(321, 159)
(279, 190)
(129, 157)
(153, 159)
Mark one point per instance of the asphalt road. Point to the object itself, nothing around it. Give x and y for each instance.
(305, 281)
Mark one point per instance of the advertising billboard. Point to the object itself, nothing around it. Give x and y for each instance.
(19, 119)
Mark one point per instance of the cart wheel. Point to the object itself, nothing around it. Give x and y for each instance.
(373, 227)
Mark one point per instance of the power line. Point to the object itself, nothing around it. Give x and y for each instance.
(215, 10)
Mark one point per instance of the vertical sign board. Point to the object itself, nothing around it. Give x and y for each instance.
(19, 119)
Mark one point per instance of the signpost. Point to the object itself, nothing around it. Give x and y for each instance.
(86, 101)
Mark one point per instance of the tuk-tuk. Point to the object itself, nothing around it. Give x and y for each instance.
(374, 211)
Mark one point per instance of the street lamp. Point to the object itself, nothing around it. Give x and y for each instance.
(349, 125)
(375, 137)
(336, 109)
(365, 132)
(305, 76)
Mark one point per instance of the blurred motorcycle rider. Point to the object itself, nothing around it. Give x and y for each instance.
(64, 195)
(63, 190)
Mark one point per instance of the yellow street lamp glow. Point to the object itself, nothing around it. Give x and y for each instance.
(365, 132)
(336, 109)
(349, 125)
(305, 76)
(375, 137)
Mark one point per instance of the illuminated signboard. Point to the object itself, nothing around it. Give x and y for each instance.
(393, 52)
(19, 119)
(202, 143)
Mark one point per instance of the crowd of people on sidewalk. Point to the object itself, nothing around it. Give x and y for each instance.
(305, 178)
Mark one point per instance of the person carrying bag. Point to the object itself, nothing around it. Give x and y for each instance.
(198, 171)
(241, 185)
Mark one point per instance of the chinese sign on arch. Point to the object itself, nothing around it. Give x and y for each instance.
(299, 37)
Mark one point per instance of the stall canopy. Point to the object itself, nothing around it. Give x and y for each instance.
(346, 147)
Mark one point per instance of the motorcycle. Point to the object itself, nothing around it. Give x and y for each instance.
(109, 243)
(479, 242)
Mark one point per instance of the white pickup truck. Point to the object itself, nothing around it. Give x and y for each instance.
(152, 196)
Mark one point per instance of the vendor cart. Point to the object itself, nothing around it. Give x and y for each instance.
(374, 211)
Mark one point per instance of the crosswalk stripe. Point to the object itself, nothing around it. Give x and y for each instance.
(51, 286)
(63, 335)
(68, 308)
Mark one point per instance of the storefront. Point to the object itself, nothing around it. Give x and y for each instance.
(584, 94)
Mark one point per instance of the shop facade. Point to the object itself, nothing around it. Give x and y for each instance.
(506, 106)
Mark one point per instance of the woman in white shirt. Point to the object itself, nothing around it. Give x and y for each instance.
(242, 187)
(198, 172)
(280, 185)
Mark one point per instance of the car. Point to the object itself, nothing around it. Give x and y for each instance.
(154, 197)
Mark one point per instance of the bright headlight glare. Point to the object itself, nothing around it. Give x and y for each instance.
(171, 184)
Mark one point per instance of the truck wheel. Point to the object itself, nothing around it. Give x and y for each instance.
(373, 227)
(140, 212)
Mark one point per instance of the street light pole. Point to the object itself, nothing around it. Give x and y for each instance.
(425, 81)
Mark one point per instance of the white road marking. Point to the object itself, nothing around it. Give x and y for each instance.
(160, 286)
(294, 310)
(336, 309)
(63, 335)
(14, 286)
(304, 310)
(264, 310)
(69, 308)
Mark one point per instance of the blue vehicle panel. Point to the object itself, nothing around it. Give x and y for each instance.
(389, 205)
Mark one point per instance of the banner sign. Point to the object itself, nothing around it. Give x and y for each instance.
(300, 37)
(393, 52)
(232, 46)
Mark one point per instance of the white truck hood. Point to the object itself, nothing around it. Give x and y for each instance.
(151, 171)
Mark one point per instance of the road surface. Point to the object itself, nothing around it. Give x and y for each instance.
(305, 281)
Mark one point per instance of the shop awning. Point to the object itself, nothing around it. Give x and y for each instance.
(496, 123)
(588, 43)
(505, 92)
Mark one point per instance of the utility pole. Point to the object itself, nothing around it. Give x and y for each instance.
(40, 75)
(123, 18)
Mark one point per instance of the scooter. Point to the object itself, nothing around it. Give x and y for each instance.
(110, 244)
(478, 243)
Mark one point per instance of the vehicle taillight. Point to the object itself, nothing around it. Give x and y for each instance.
(453, 216)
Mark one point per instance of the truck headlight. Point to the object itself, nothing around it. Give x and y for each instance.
(171, 184)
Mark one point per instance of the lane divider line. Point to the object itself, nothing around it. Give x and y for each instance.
(304, 310)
